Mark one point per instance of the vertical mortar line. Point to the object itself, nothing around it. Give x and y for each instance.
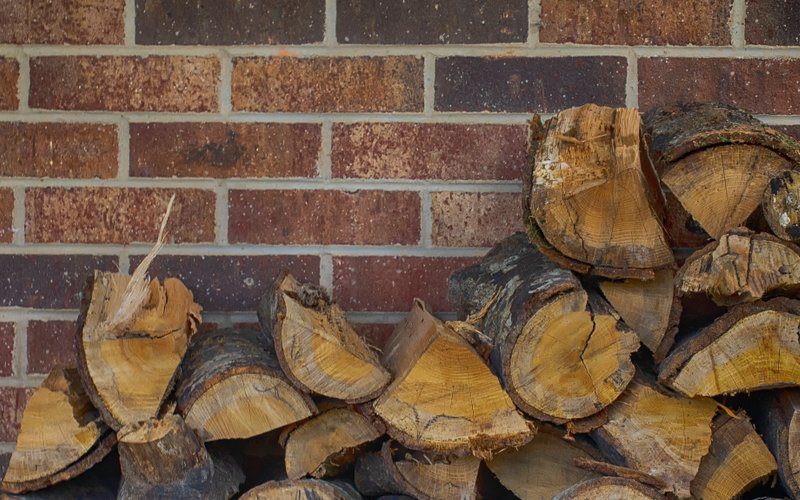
(124, 261)
(221, 214)
(632, 80)
(326, 272)
(426, 219)
(19, 359)
(225, 77)
(737, 21)
(18, 216)
(330, 23)
(129, 17)
(24, 82)
(324, 162)
(534, 21)
(429, 85)
(124, 148)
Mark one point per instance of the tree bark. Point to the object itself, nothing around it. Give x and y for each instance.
(781, 205)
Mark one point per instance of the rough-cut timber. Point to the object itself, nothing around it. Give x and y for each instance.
(443, 398)
(778, 419)
(611, 488)
(315, 344)
(717, 160)
(128, 354)
(661, 435)
(595, 202)
(326, 444)
(751, 347)
(561, 353)
(403, 472)
(61, 435)
(737, 461)
(232, 387)
(781, 205)
(164, 458)
(302, 489)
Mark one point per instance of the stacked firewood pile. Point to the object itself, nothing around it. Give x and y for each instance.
(641, 341)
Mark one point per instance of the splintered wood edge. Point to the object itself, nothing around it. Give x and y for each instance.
(334, 490)
(621, 487)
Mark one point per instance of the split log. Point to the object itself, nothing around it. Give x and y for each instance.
(781, 205)
(611, 488)
(316, 346)
(410, 473)
(737, 461)
(658, 434)
(716, 160)
(166, 459)
(751, 347)
(328, 443)
(595, 200)
(778, 418)
(128, 354)
(443, 398)
(302, 489)
(61, 435)
(232, 387)
(611, 470)
(562, 354)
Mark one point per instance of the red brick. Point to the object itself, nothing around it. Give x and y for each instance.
(117, 215)
(474, 219)
(224, 149)
(6, 208)
(48, 281)
(324, 217)
(78, 22)
(766, 86)
(773, 22)
(9, 76)
(428, 151)
(636, 22)
(50, 343)
(125, 83)
(528, 84)
(376, 334)
(12, 405)
(392, 283)
(72, 150)
(231, 282)
(327, 84)
(6, 349)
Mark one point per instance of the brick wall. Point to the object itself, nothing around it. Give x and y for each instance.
(370, 146)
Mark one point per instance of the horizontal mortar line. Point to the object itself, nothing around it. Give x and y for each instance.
(33, 314)
(779, 119)
(7, 447)
(30, 381)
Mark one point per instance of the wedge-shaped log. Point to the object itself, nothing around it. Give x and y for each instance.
(593, 196)
(778, 419)
(717, 160)
(610, 488)
(326, 444)
(61, 435)
(307, 489)
(404, 472)
(562, 353)
(658, 434)
(751, 347)
(781, 205)
(316, 346)
(232, 387)
(444, 399)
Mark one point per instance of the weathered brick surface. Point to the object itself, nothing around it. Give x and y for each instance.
(426, 22)
(758, 85)
(474, 219)
(535, 84)
(117, 215)
(79, 22)
(6, 349)
(50, 343)
(125, 83)
(12, 405)
(48, 281)
(327, 84)
(72, 150)
(376, 334)
(391, 283)
(231, 282)
(428, 151)
(791, 130)
(211, 22)
(773, 22)
(327, 217)
(9, 75)
(6, 208)
(636, 22)
(224, 149)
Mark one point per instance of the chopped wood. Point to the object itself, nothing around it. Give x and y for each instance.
(781, 205)
(610, 488)
(315, 489)
(316, 346)
(606, 469)
(778, 418)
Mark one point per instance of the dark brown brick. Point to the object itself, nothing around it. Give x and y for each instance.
(790, 130)
(12, 405)
(48, 281)
(636, 22)
(766, 86)
(224, 149)
(117, 215)
(125, 83)
(535, 84)
(72, 150)
(50, 343)
(9, 76)
(474, 219)
(376, 334)
(6, 208)
(231, 282)
(325, 217)
(425, 22)
(79, 22)
(773, 22)
(392, 283)
(6, 349)
(428, 151)
(210, 22)
(327, 84)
